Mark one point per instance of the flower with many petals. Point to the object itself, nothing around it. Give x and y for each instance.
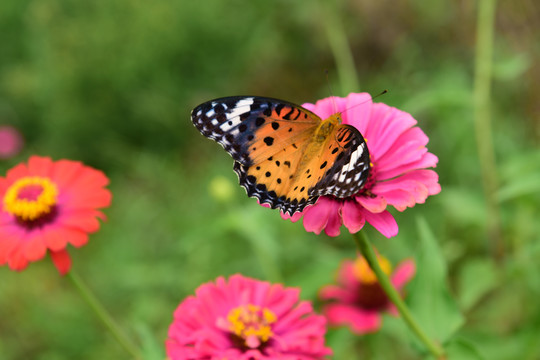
(244, 319)
(358, 300)
(398, 175)
(47, 205)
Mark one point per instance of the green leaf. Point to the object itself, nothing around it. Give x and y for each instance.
(476, 279)
(428, 295)
(520, 186)
(461, 349)
(464, 206)
(511, 67)
(152, 349)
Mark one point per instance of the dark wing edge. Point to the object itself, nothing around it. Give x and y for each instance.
(261, 193)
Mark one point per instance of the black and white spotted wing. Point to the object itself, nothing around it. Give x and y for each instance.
(240, 123)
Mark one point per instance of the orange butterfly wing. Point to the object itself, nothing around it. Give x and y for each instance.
(285, 155)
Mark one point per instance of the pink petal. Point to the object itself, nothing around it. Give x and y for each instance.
(61, 260)
(385, 127)
(87, 197)
(10, 238)
(4, 184)
(403, 273)
(353, 219)
(428, 160)
(384, 222)
(326, 107)
(83, 220)
(416, 189)
(357, 111)
(17, 261)
(316, 217)
(346, 275)
(358, 320)
(16, 173)
(409, 147)
(40, 166)
(54, 238)
(35, 247)
(294, 218)
(375, 204)
(334, 292)
(400, 199)
(66, 171)
(334, 219)
(427, 177)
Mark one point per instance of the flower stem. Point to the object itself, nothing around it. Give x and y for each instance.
(366, 250)
(339, 45)
(104, 316)
(482, 120)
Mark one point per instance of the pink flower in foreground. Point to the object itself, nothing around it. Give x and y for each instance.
(358, 300)
(246, 319)
(47, 205)
(398, 175)
(11, 142)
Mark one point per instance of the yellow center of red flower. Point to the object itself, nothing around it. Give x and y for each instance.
(363, 272)
(30, 198)
(252, 324)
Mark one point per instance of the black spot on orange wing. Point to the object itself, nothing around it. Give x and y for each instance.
(260, 121)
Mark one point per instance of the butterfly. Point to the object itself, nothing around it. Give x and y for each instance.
(285, 155)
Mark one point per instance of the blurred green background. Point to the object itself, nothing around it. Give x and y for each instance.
(112, 83)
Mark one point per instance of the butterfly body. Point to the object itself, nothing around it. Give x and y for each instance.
(285, 155)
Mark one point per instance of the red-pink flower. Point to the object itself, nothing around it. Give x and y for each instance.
(398, 175)
(11, 142)
(358, 300)
(246, 319)
(47, 205)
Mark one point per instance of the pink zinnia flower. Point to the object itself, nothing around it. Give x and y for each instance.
(47, 205)
(398, 174)
(245, 319)
(11, 142)
(358, 300)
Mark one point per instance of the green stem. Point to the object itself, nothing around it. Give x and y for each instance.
(482, 118)
(104, 316)
(367, 251)
(339, 45)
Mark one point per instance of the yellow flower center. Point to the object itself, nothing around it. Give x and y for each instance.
(30, 198)
(252, 324)
(363, 272)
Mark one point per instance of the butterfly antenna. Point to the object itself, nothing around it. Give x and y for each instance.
(379, 94)
(330, 90)
(363, 102)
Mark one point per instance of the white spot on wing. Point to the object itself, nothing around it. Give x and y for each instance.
(238, 108)
(235, 121)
